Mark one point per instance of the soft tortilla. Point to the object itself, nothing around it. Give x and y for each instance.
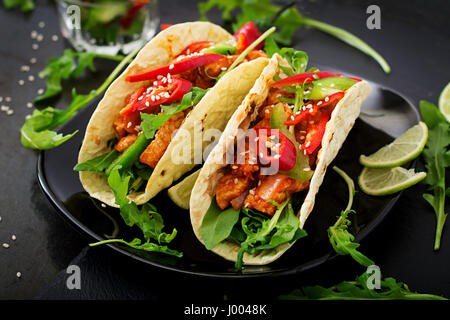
(341, 121)
(213, 110)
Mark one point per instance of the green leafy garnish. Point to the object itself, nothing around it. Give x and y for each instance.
(25, 5)
(359, 290)
(147, 218)
(36, 133)
(287, 20)
(152, 122)
(97, 164)
(217, 224)
(70, 65)
(340, 238)
(146, 246)
(437, 159)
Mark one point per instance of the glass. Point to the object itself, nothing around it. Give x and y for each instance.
(108, 27)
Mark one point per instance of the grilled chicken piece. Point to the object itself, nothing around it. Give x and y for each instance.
(275, 187)
(125, 142)
(231, 187)
(158, 146)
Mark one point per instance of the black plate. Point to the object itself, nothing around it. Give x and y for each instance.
(385, 114)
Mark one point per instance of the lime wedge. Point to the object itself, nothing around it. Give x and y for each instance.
(403, 149)
(380, 182)
(180, 193)
(444, 102)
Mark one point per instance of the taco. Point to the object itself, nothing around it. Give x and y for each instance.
(187, 75)
(271, 160)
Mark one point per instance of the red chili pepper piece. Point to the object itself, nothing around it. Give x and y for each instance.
(304, 78)
(196, 47)
(246, 35)
(283, 152)
(315, 134)
(176, 67)
(164, 26)
(307, 112)
(128, 18)
(155, 96)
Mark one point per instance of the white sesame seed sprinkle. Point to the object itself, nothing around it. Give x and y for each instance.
(171, 66)
(319, 103)
(41, 24)
(39, 37)
(40, 91)
(8, 99)
(55, 37)
(33, 34)
(13, 237)
(252, 191)
(29, 105)
(33, 60)
(327, 99)
(25, 68)
(18, 274)
(103, 205)
(5, 245)
(235, 180)
(9, 112)
(34, 46)
(307, 144)
(21, 82)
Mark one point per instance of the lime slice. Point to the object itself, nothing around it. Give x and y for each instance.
(180, 193)
(403, 149)
(444, 102)
(380, 182)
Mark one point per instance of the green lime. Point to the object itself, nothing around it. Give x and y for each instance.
(403, 149)
(380, 182)
(180, 193)
(444, 102)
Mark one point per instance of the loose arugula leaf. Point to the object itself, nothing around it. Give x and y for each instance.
(287, 20)
(66, 67)
(152, 122)
(146, 218)
(36, 133)
(437, 159)
(97, 164)
(146, 246)
(25, 5)
(359, 289)
(217, 224)
(340, 238)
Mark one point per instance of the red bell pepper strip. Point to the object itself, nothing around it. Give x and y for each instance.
(176, 67)
(307, 112)
(315, 134)
(353, 78)
(173, 90)
(128, 18)
(164, 26)
(196, 47)
(284, 153)
(246, 35)
(304, 78)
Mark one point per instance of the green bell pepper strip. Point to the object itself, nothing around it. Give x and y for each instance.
(301, 170)
(222, 48)
(326, 87)
(130, 155)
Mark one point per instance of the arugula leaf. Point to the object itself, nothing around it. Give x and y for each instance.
(36, 133)
(25, 5)
(146, 246)
(152, 122)
(217, 224)
(358, 289)
(287, 20)
(147, 218)
(66, 67)
(437, 159)
(97, 164)
(340, 238)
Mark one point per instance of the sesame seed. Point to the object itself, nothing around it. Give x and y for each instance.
(261, 155)
(327, 99)
(5, 245)
(319, 83)
(234, 167)
(223, 68)
(29, 105)
(152, 98)
(34, 46)
(235, 180)
(41, 24)
(21, 82)
(277, 156)
(311, 110)
(332, 85)
(4, 108)
(33, 60)
(140, 98)
(252, 191)
(8, 99)
(33, 34)
(129, 124)
(9, 112)
(319, 103)
(13, 237)
(39, 37)
(306, 169)
(307, 144)
(171, 66)
(302, 137)
(103, 205)
(304, 152)
(28, 116)
(40, 91)
(55, 37)
(259, 183)
(18, 274)
(25, 68)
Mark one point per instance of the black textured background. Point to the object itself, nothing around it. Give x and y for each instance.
(414, 38)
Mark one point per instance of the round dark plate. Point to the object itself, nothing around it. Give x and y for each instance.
(385, 114)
